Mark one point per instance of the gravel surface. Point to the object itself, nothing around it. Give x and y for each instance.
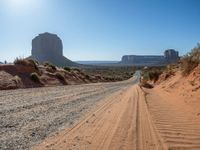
(28, 116)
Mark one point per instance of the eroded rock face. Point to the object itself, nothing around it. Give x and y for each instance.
(49, 47)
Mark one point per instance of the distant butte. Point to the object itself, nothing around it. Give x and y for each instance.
(49, 47)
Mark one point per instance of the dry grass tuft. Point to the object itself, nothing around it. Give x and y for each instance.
(190, 60)
(61, 77)
(26, 62)
(50, 65)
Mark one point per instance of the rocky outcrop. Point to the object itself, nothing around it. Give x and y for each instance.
(49, 47)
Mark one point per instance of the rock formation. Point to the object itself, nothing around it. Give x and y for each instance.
(142, 60)
(49, 47)
(170, 56)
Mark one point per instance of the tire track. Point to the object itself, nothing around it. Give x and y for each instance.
(99, 131)
(122, 122)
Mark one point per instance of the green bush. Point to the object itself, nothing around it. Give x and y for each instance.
(67, 69)
(35, 77)
(76, 69)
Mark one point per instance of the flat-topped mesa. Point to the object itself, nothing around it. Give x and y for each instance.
(170, 56)
(49, 47)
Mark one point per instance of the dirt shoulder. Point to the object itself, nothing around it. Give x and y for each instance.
(177, 122)
(174, 106)
(185, 90)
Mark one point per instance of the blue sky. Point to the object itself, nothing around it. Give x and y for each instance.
(100, 29)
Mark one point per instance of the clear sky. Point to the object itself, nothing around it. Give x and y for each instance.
(100, 29)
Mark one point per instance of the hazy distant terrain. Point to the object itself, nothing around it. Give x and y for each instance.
(97, 62)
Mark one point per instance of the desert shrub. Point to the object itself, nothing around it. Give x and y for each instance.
(152, 74)
(20, 61)
(146, 84)
(145, 76)
(67, 69)
(110, 73)
(111, 78)
(188, 64)
(190, 60)
(26, 62)
(87, 76)
(48, 64)
(60, 76)
(98, 76)
(34, 63)
(76, 69)
(35, 77)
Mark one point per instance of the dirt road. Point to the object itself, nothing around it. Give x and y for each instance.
(104, 116)
(132, 119)
(28, 116)
(122, 122)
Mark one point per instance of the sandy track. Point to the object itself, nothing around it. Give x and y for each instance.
(148, 136)
(28, 116)
(122, 122)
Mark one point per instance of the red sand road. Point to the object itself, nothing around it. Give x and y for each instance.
(121, 122)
